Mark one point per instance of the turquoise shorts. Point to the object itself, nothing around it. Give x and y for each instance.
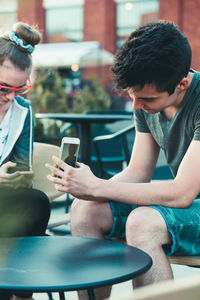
(182, 224)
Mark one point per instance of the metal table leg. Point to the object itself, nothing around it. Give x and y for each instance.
(91, 294)
(62, 295)
(50, 296)
(85, 143)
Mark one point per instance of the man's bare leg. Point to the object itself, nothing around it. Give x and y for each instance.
(93, 220)
(147, 230)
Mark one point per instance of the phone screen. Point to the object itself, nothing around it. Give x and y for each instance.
(70, 153)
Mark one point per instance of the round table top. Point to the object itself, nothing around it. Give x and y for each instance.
(42, 264)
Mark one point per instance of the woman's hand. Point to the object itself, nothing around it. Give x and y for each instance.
(14, 180)
(27, 178)
(80, 182)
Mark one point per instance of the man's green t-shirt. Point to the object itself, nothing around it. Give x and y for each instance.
(175, 136)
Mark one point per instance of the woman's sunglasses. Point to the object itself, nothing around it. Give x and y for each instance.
(9, 89)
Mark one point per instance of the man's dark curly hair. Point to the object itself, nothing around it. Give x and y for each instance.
(156, 53)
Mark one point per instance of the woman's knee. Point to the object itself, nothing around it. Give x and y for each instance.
(37, 209)
(38, 203)
(27, 213)
(144, 225)
(90, 214)
(42, 200)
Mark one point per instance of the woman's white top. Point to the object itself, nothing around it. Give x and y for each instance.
(4, 129)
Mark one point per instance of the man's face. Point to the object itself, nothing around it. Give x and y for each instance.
(150, 100)
(11, 76)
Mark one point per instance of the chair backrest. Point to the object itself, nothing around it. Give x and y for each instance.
(108, 166)
(183, 288)
(42, 153)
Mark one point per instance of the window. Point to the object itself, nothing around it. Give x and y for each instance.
(64, 23)
(132, 14)
(8, 14)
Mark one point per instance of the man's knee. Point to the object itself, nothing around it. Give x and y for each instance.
(86, 211)
(146, 225)
(87, 215)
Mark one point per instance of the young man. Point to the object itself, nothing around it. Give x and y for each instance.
(163, 217)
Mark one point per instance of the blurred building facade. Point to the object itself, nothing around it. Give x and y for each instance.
(107, 21)
(185, 13)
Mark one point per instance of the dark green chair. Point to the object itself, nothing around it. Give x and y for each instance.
(121, 142)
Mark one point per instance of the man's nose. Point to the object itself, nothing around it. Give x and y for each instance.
(137, 104)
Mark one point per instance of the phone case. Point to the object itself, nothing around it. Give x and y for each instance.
(69, 150)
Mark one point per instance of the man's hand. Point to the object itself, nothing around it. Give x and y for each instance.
(80, 182)
(14, 180)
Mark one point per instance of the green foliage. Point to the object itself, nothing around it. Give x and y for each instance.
(47, 94)
(91, 97)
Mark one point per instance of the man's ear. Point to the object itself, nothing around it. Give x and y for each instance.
(184, 84)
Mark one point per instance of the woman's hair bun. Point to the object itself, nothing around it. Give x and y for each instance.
(29, 35)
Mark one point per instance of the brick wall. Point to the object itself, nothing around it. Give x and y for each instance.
(185, 14)
(100, 21)
(100, 25)
(32, 12)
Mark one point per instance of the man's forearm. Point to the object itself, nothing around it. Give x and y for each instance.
(129, 175)
(165, 193)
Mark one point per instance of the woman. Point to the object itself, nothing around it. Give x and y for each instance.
(23, 211)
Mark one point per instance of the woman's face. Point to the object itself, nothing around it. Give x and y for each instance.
(11, 76)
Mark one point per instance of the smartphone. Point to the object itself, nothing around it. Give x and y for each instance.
(69, 150)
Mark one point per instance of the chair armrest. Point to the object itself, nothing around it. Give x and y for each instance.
(114, 135)
(65, 127)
